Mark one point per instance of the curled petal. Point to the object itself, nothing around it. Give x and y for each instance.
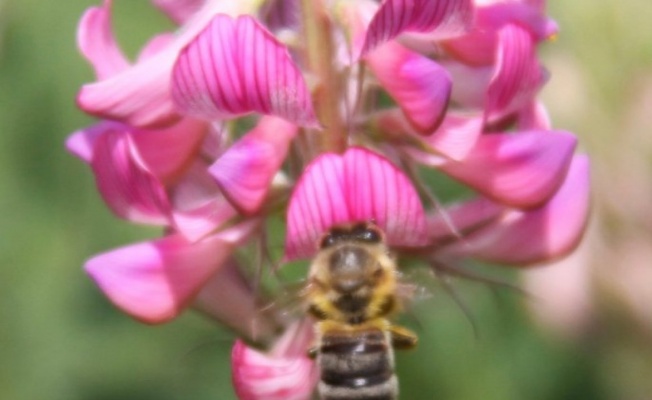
(234, 67)
(199, 205)
(454, 138)
(534, 236)
(358, 186)
(420, 86)
(245, 171)
(127, 185)
(518, 75)
(397, 16)
(478, 47)
(179, 10)
(521, 170)
(82, 142)
(281, 375)
(96, 42)
(154, 281)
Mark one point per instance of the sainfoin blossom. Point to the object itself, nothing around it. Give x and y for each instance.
(319, 113)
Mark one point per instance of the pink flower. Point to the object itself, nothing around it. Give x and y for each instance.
(257, 111)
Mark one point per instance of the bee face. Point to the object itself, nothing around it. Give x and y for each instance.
(353, 275)
(351, 268)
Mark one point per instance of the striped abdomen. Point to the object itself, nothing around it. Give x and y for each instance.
(357, 365)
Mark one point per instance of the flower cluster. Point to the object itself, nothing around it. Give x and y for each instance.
(320, 112)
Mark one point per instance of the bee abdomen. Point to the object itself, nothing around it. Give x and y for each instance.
(357, 366)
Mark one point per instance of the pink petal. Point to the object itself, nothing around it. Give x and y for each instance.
(278, 376)
(96, 42)
(478, 47)
(82, 142)
(534, 116)
(454, 138)
(245, 171)
(532, 17)
(542, 234)
(420, 86)
(140, 95)
(518, 75)
(199, 205)
(155, 45)
(358, 186)
(397, 16)
(234, 67)
(167, 152)
(521, 170)
(179, 10)
(127, 185)
(154, 281)
(231, 299)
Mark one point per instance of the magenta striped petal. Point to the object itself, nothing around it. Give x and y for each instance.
(234, 67)
(126, 184)
(518, 76)
(358, 186)
(96, 42)
(245, 171)
(397, 16)
(154, 281)
(199, 206)
(539, 235)
(419, 85)
(284, 374)
(318, 202)
(521, 170)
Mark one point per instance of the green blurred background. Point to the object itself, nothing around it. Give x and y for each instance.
(61, 340)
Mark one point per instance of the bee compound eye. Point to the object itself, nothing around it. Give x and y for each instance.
(327, 241)
(369, 235)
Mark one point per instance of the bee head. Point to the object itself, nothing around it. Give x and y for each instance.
(362, 232)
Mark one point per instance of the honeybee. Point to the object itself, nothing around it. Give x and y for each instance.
(352, 292)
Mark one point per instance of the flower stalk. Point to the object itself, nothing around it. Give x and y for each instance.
(445, 85)
(329, 88)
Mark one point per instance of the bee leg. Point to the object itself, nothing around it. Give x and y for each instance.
(402, 338)
(312, 352)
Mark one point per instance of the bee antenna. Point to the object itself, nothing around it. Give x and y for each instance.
(461, 272)
(444, 280)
